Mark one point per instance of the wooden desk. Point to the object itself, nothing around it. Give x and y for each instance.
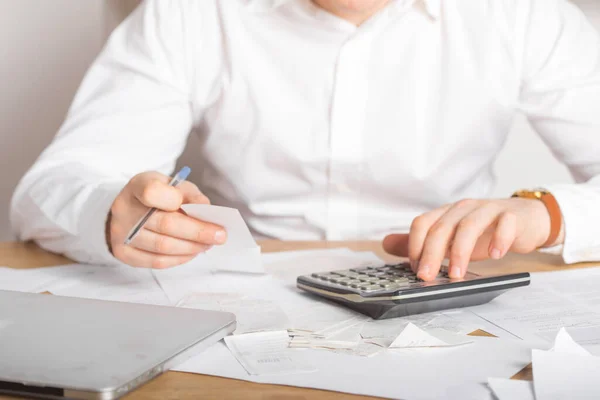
(178, 385)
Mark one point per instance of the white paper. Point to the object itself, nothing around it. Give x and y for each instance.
(37, 280)
(363, 349)
(252, 315)
(266, 353)
(201, 275)
(406, 376)
(454, 322)
(413, 337)
(347, 338)
(511, 389)
(566, 371)
(565, 344)
(115, 283)
(240, 253)
(558, 376)
(554, 300)
(289, 265)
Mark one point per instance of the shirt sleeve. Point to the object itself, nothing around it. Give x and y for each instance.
(560, 94)
(131, 114)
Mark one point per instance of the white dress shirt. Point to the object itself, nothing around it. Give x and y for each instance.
(317, 129)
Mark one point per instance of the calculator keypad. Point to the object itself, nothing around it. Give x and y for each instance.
(373, 279)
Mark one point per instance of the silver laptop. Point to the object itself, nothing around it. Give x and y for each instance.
(62, 347)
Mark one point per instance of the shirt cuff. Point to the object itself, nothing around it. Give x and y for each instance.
(579, 206)
(93, 248)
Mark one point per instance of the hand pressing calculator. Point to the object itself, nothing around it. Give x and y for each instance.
(391, 291)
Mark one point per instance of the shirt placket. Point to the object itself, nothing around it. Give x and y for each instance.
(348, 110)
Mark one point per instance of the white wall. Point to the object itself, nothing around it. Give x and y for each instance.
(46, 46)
(45, 49)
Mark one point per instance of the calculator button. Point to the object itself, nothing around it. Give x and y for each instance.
(398, 279)
(370, 288)
(342, 273)
(342, 280)
(359, 270)
(356, 285)
(376, 274)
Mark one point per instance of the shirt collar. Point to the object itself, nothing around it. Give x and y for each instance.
(431, 6)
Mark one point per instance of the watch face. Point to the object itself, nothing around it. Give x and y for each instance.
(531, 194)
(539, 192)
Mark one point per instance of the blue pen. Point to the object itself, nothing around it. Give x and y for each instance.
(177, 179)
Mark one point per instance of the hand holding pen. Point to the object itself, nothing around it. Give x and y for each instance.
(146, 227)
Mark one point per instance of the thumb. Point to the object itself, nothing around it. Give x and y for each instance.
(191, 194)
(396, 244)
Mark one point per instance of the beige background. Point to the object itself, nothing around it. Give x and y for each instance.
(46, 46)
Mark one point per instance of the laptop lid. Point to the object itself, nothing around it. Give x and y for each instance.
(79, 348)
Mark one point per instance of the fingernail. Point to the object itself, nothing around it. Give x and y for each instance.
(455, 272)
(496, 254)
(423, 271)
(220, 237)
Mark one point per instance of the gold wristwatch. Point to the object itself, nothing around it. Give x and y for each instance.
(553, 209)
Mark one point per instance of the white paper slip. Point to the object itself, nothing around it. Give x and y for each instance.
(510, 389)
(465, 370)
(347, 338)
(412, 337)
(38, 280)
(116, 283)
(384, 343)
(252, 314)
(266, 353)
(240, 253)
(363, 349)
(558, 376)
(553, 300)
(564, 343)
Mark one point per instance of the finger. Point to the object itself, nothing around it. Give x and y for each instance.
(396, 244)
(191, 194)
(153, 190)
(161, 244)
(504, 235)
(144, 259)
(181, 226)
(439, 236)
(468, 232)
(418, 232)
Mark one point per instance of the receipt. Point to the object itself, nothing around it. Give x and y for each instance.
(412, 336)
(240, 253)
(266, 353)
(509, 389)
(252, 314)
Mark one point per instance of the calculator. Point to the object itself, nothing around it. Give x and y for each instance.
(391, 291)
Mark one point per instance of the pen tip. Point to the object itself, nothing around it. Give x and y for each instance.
(185, 171)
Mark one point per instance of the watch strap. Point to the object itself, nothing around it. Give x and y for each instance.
(553, 208)
(555, 218)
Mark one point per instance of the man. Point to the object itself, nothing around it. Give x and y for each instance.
(326, 119)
